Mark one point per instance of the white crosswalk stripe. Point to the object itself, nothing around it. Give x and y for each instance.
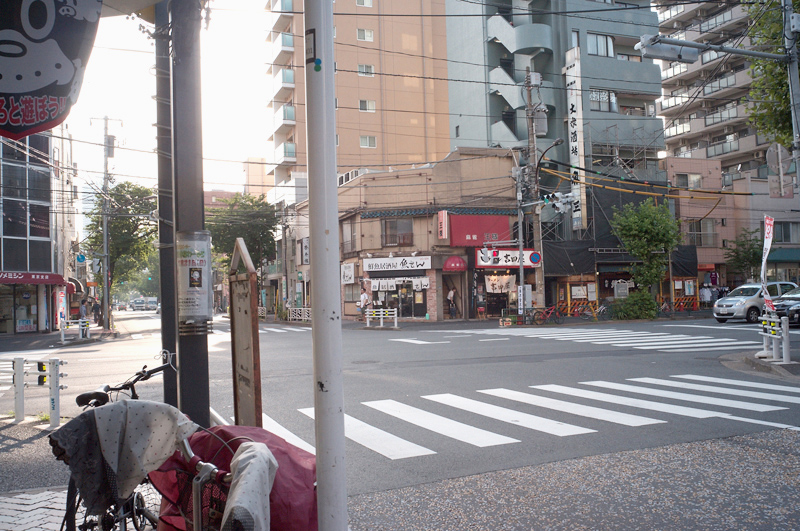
(394, 443)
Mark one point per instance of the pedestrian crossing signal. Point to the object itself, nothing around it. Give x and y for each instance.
(40, 366)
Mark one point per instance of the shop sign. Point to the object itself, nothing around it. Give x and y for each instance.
(443, 228)
(25, 325)
(506, 258)
(348, 273)
(31, 278)
(402, 263)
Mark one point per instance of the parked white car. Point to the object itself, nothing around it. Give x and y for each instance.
(747, 301)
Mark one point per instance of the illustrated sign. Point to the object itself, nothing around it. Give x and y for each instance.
(506, 258)
(769, 224)
(193, 260)
(44, 49)
(349, 273)
(402, 263)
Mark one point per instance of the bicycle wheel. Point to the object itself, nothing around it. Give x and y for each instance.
(146, 504)
(604, 313)
(557, 317)
(539, 317)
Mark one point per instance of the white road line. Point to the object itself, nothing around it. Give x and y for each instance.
(657, 346)
(215, 331)
(740, 345)
(271, 425)
(28, 354)
(496, 339)
(296, 329)
(720, 390)
(511, 416)
(439, 424)
(632, 402)
(573, 408)
(687, 397)
(648, 339)
(742, 383)
(377, 440)
(275, 330)
(764, 423)
(137, 336)
(419, 341)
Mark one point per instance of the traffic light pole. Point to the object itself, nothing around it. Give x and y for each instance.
(532, 170)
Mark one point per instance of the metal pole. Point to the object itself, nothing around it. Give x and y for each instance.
(533, 163)
(787, 357)
(187, 168)
(19, 389)
(54, 378)
(790, 42)
(166, 237)
(327, 305)
(106, 177)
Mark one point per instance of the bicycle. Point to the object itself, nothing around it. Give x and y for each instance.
(665, 310)
(547, 315)
(603, 313)
(104, 510)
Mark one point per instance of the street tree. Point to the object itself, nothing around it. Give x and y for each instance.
(745, 255)
(770, 108)
(243, 216)
(131, 232)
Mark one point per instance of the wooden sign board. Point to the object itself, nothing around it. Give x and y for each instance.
(246, 355)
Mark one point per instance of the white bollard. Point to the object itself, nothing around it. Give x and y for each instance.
(382, 313)
(19, 389)
(787, 357)
(366, 316)
(53, 377)
(776, 339)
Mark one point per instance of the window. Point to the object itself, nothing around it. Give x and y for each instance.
(337, 140)
(602, 45)
(701, 233)
(368, 141)
(349, 236)
(397, 231)
(39, 185)
(786, 232)
(366, 105)
(692, 181)
(366, 70)
(575, 38)
(628, 57)
(364, 3)
(40, 220)
(458, 131)
(15, 218)
(602, 100)
(41, 257)
(365, 35)
(14, 182)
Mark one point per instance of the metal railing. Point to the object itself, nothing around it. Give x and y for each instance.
(775, 329)
(81, 325)
(381, 314)
(47, 368)
(300, 314)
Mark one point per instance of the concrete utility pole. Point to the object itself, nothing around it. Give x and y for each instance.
(187, 169)
(325, 281)
(532, 171)
(791, 26)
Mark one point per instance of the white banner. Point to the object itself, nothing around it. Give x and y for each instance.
(349, 273)
(575, 134)
(500, 283)
(768, 226)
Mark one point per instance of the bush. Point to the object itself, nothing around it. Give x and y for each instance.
(638, 305)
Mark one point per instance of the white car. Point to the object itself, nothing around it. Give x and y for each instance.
(747, 301)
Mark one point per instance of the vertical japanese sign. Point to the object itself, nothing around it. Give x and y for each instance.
(443, 228)
(768, 226)
(44, 48)
(193, 275)
(61, 301)
(572, 78)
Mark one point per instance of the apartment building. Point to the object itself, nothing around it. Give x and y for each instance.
(705, 108)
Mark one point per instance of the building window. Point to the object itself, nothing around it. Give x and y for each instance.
(692, 181)
(365, 35)
(364, 3)
(366, 70)
(366, 105)
(575, 38)
(15, 218)
(702, 234)
(349, 236)
(368, 141)
(629, 57)
(786, 232)
(458, 131)
(602, 45)
(602, 100)
(397, 231)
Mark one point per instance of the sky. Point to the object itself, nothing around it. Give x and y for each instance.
(120, 84)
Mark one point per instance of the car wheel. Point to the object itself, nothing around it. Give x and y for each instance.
(721, 320)
(753, 314)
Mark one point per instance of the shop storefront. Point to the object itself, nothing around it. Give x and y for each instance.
(496, 279)
(27, 301)
(400, 283)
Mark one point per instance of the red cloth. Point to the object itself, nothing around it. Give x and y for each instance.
(293, 500)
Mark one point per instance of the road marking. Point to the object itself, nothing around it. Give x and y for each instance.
(419, 341)
(720, 390)
(633, 402)
(742, 383)
(573, 408)
(687, 397)
(742, 345)
(511, 416)
(496, 339)
(271, 425)
(765, 423)
(137, 336)
(296, 329)
(648, 339)
(439, 424)
(697, 344)
(377, 440)
(280, 331)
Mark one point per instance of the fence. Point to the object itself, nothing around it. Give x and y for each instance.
(381, 314)
(776, 330)
(82, 327)
(300, 314)
(48, 368)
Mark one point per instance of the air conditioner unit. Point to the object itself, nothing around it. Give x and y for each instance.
(728, 129)
(708, 104)
(684, 141)
(704, 74)
(758, 154)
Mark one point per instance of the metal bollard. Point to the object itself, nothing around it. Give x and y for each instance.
(787, 357)
(19, 389)
(366, 316)
(776, 339)
(53, 366)
(382, 312)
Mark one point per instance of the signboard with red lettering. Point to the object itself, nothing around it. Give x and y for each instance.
(45, 46)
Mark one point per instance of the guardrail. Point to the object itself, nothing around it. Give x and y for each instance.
(775, 329)
(300, 314)
(83, 328)
(381, 314)
(262, 312)
(47, 368)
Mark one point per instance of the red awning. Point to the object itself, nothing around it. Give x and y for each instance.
(32, 278)
(454, 263)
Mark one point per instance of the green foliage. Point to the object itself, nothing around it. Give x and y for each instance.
(131, 232)
(244, 216)
(746, 254)
(637, 305)
(648, 232)
(770, 112)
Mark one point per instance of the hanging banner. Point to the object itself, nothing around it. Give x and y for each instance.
(768, 226)
(443, 230)
(44, 48)
(348, 273)
(500, 283)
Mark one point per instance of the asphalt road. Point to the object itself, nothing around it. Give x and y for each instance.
(434, 402)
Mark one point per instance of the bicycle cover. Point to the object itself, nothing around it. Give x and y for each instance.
(253, 468)
(292, 501)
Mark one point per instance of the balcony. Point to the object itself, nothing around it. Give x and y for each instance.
(282, 49)
(721, 116)
(674, 101)
(673, 11)
(719, 84)
(721, 148)
(284, 120)
(716, 21)
(677, 129)
(674, 71)
(281, 13)
(283, 84)
(286, 153)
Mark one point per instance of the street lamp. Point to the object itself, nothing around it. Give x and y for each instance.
(556, 142)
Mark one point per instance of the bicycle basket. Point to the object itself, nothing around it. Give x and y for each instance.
(214, 496)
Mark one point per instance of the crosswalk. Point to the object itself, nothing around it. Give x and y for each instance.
(217, 331)
(590, 407)
(638, 340)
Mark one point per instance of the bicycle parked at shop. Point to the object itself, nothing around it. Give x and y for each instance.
(602, 313)
(549, 314)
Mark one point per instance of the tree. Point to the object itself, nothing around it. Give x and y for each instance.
(131, 232)
(746, 254)
(649, 233)
(769, 91)
(243, 216)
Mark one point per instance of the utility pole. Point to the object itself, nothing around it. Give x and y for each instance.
(791, 26)
(532, 171)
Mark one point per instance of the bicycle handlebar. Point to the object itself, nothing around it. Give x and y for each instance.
(101, 396)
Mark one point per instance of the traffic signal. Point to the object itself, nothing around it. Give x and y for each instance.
(495, 256)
